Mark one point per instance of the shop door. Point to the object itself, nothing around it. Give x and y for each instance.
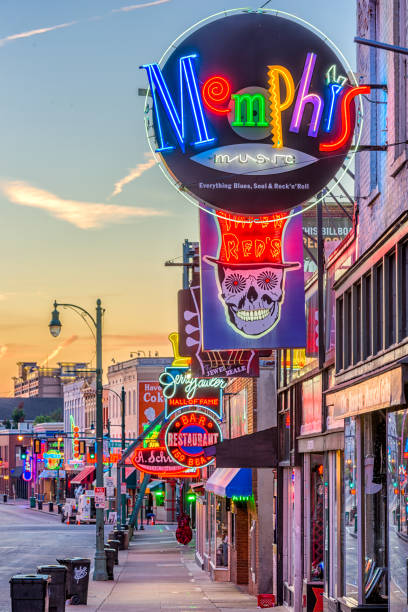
(291, 544)
(397, 455)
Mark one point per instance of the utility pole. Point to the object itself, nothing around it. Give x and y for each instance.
(123, 479)
(100, 558)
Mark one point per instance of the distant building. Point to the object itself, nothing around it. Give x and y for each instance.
(32, 407)
(74, 410)
(39, 381)
(134, 375)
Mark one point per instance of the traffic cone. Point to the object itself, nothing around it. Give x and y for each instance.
(68, 520)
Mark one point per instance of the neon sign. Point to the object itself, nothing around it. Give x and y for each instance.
(180, 389)
(188, 434)
(219, 116)
(252, 283)
(158, 461)
(27, 474)
(52, 459)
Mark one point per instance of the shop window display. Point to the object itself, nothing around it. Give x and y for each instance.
(397, 459)
(316, 517)
(221, 519)
(375, 506)
(350, 557)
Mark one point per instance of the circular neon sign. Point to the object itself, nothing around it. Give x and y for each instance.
(252, 112)
(188, 434)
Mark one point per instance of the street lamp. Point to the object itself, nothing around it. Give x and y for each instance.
(55, 329)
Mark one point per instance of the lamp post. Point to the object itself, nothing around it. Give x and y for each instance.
(55, 329)
(119, 495)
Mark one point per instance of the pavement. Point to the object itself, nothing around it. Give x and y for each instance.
(155, 574)
(159, 574)
(31, 538)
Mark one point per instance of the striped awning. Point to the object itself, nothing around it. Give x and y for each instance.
(229, 482)
(83, 475)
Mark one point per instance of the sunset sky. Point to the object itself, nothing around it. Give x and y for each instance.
(85, 213)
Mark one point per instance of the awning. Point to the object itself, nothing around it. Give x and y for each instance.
(153, 484)
(16, 472)
(83, 475)
(229, 482)
(256, 450)
(48, 474)
(131, 478)
(196, 485)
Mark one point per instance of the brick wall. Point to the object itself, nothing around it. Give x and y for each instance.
(381, 177)
(240, 556)
(239, 552)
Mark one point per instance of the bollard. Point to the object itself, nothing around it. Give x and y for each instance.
(114, 544)
(110, 561)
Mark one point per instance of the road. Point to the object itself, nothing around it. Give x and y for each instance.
(29, 538)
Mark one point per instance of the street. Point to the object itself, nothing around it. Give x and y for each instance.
(29, 538)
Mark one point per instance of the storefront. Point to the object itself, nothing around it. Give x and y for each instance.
(229, 491)
(374, 530)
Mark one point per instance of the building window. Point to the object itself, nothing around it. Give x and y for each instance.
(404, 290)
(340, 334)
(367, 310)
(400, 77)
(391, 314)
(134, 402)
(357, 323)
(347, 328)
(379, 301)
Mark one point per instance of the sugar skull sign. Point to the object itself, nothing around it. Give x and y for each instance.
(252, 282)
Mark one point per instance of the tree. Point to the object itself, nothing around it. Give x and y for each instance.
(54, 417)
(7, 424)
(18, 416)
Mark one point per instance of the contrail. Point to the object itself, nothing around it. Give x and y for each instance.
(59, 348)
(134, 173)
(30, 33)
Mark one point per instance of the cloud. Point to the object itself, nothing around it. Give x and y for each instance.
(135, 342)
(29, 33)
(85, 215)
(134, 173)
(3, 350)
(133, 7)
(59, 348)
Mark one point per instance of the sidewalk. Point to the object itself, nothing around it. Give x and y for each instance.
(157, 574)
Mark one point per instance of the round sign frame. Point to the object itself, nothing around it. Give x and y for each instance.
(173, 424)
(323, 190)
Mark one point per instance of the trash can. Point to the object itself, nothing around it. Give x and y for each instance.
(32, 502)
(67, 564)
(39, 504)
(77, 579)
(50, 507)
(110, 561)
(29, 592)
(114, 544)
(58, 575)
(5, 498)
